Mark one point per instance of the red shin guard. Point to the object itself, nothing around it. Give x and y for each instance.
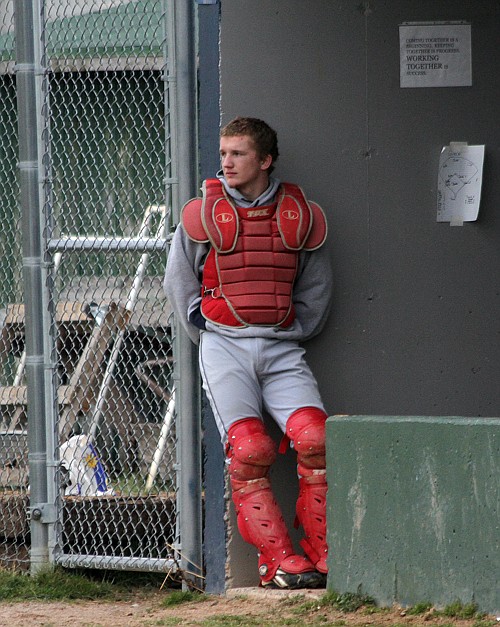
(259, 517)
(311, 514)
(260, 523)
(306, 428)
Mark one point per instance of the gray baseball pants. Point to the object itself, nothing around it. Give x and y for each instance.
(247, 377)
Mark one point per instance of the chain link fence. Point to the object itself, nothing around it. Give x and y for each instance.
(105, 147)
(14, 531)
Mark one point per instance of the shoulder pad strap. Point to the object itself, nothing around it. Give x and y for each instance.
(294, 216)
(219, 217)
(319, 230)
(191, 221)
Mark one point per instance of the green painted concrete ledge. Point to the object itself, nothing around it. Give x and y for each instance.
(413, 509)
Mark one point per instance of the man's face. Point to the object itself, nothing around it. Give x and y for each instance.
(242, 166)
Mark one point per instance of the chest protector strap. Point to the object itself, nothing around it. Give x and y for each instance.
(215, 219)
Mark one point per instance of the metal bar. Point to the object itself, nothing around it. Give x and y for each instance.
(116, 563)
(103, 244)
(183, 111)
(214, 524)
(162, 441)
(27, 15)
(169, 104)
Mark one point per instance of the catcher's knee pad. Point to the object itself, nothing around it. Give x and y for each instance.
(250, 449)
(306, 429)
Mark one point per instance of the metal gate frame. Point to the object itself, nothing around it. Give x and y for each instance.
(39, 249)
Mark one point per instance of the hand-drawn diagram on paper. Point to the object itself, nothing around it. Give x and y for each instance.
(459, 183)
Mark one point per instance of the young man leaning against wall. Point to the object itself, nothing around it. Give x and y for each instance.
(249, 278)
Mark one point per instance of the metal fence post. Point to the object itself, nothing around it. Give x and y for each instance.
(37, 322)
(185, 154)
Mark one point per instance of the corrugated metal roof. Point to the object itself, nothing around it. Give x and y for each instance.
(131, 29)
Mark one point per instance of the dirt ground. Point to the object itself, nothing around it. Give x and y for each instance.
(251, 606)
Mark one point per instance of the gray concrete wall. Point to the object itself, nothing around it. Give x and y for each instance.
(413, 516)
(415, 325)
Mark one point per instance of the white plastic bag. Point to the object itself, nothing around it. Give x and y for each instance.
(85, 474)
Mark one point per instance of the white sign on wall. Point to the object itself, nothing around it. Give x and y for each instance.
(435, 54)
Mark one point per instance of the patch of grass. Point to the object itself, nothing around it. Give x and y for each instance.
(303, 608)
(461, 610)
(238, 620)
(373, 609)
(11, 585)
(419, 608)
(183, 596)
(346, 602)
(230, 620)
(56, 583)
(127, 580)
(51, 585)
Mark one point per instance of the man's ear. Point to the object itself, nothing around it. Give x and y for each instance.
(266, 162)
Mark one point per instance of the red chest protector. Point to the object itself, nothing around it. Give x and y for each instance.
(251, 267)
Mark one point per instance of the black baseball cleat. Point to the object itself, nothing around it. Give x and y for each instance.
(294, 581)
